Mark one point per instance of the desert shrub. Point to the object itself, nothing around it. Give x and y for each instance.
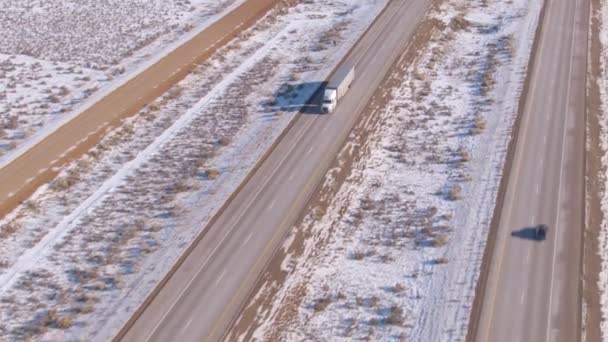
(8, 229)
(439, 240)
(318, 212)
(396, 316)
(367, 204)
(53, 319)
(66, 181)
(321, 303)
(441, 261)
(31, 205)
(224, 141)
(455, 193)
(64, 322)
(357, 254)
(459, 23)
(465, 156)
(212, 173)
(479, 126)
(181, 186)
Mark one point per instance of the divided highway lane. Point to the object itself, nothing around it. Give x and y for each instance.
(39, 164)
(201, 298)
(532, 293)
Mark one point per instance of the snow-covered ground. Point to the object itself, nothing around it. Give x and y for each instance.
(396, 254)
(603, 236)
(81, 254)
(59, 57)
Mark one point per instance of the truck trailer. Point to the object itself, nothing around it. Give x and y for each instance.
(337, 86)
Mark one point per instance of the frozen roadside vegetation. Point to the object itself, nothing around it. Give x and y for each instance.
(602, 15)
(83, 252)
(54, 55)
(393, 252)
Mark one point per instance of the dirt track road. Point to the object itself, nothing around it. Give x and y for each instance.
(533, 289)
(38, 165)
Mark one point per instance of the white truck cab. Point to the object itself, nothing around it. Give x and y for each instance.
(330, 100)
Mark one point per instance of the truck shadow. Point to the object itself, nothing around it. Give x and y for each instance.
(302, 97)
(527, 233)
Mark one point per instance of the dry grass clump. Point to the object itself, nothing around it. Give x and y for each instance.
(455, 192)
(52, 319)
(224, 141)
(11, 122)
(367, 204)
(212, 174)
(464, 155)
(181, 186)
(31, 206)
(441, 261)
(318, 212)
(174, 93)
(321, 303)
(459, 23)
(64, 322)
(357, 254)
(154, 107)
(396, 316)
(488, 81)
(479, 126)
(9, 229)
(66, 181)
(439, 240)
(331, 37)
(11, 146)
(398, 288)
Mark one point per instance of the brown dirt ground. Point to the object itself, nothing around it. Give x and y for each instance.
(258, 301)
(40, 164)
(594, 187)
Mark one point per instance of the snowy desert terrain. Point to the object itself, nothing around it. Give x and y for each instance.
(82, 253)
(393, 251)
(59, 57)
(602, 15)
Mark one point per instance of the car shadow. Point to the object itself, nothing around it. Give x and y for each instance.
(527, 233)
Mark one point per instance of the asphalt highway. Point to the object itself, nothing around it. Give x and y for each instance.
(533, 289)
(204, 294)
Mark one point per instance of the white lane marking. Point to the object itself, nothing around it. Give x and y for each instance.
(325, 128)
(309, 151)
(528, 257)
(545, 138)
(291, 176)
(523, 297)
(217, 281)
(534, 219)
(274, 201)
(247, 239)
(537, 188)
(185, 327)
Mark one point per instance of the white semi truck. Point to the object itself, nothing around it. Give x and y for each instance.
(337, 86)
